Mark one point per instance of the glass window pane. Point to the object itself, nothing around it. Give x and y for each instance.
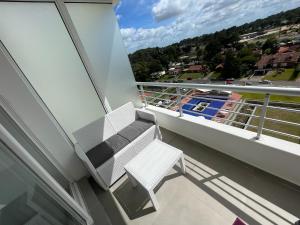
(37, 39)
(12, 127)
(25, 199)
(99, 32)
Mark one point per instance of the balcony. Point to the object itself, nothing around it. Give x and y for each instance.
(227, 105)
(216, 189)
(232, 171)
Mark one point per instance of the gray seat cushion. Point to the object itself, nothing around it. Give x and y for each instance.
(135, 129)
(117, 142)
(105, 150)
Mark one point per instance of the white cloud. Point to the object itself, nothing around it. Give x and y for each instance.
(196, 17)
(119, 16)
(119, 5)
(165, 9)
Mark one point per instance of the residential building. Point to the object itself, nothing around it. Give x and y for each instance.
(174, 71)
(63, 66)
(284, 58)
(219, 67)
(196, 69)
(158, 74)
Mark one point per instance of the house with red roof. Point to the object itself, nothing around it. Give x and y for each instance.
(283, 59)
(196, 69)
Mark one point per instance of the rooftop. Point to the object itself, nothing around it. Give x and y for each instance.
(215, 190)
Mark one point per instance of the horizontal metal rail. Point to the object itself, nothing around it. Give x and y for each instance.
(252, 89)
(283, 121)
(224, 100)
(203, 114)
(204, 98)
(208, 107)
(177, 104)
(282, 133)
(230, 111)
(284, 109)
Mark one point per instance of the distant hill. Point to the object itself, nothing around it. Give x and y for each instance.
(146, 61)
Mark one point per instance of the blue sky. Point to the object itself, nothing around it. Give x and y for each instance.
(151, 23)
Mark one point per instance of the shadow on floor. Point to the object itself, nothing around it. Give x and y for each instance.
(134, 199)
(261, 193)
(244, 191)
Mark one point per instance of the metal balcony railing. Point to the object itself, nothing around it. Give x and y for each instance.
(274, 118)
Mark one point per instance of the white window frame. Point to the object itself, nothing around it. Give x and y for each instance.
(33, 165)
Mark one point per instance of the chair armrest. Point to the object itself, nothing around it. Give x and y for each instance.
(87, 163)
(146, 115)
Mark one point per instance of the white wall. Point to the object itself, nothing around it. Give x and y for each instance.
(98, 29)
(42, 47)
(25, 105)
(276, 156)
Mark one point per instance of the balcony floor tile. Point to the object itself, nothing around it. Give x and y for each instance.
(216, 189)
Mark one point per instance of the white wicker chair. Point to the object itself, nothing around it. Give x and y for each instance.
(100, 130)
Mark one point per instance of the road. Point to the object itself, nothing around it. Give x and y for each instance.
(253, 83)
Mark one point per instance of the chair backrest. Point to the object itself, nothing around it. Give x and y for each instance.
(122, 116)
(94, 133)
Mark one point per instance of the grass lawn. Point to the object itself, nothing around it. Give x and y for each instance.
(287, 75)
(165, 77)
(185, 76)
(281, 115)
(275, 98)
(215, 75)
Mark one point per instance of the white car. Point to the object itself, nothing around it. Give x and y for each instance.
(265, 82)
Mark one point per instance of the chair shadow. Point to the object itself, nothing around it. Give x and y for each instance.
(134, 199)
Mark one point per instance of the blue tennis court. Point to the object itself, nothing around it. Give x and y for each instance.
(188, 109)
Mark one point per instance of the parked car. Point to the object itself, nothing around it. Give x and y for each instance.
(167, 101)
(265, 82)
(229, 81)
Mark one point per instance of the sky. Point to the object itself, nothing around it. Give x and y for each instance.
(152, 23)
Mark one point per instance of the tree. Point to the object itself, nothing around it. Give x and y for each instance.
(164, 60)
(231, 66)
(245, 52)
(200, 52)
(249, 60)
(141, 72)
(216, 60)
(154, 66)
(172, 52)
(268, 51)
(211, 49)
(270, 43)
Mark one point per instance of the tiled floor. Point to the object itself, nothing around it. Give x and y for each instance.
(215, 190)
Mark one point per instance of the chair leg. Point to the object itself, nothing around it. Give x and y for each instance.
(153, 200)
(182, 164)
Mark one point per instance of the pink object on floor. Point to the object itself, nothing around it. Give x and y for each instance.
(238, 221)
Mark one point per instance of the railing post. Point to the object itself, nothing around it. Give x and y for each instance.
(179, 101)
(263, 116)
(143, 95)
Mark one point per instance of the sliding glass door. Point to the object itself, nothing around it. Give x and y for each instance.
(18, 133)
(26, 199)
